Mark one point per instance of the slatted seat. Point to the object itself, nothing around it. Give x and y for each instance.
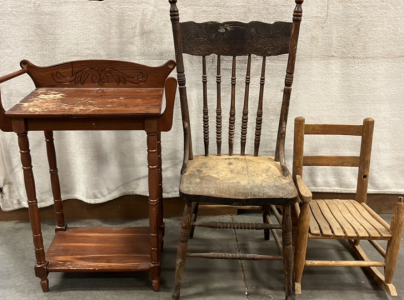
(339, 219)
(344, 219)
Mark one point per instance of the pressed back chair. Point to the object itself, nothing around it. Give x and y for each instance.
(351, 220)
(236, 179)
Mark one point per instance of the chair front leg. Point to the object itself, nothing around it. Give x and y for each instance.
(301, 245)
(393, 245)
(182, 248)
(195, 208)
(288, 251)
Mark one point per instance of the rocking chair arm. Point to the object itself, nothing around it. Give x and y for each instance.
(166, 118)
(5, 123)
(303, 190)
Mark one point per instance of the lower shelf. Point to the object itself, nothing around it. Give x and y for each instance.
(100, 249)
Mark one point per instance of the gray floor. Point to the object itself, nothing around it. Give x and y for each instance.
(203, 279)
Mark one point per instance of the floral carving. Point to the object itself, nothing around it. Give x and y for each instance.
(99, 76)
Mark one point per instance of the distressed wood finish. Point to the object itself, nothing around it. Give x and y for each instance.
(219, 108)
(98, 74)
(235, 38)
(258, 125)
(232, 118)
(154, 200)
(95, 95)
(245, 107)
(205, 107)
(41, 265)
(235, 179)
(339, 219)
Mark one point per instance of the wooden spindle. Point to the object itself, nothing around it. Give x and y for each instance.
(245, 108)
(33, 210)
(219, 108)
(258, 125)
(53, 170)
(205, 107)
(232, 118)
(151, 127)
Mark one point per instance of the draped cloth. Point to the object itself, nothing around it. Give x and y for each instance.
(349, 66)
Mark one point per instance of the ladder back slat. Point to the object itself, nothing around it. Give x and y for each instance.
(205, 107)
(232, 118)
(219, 108)
(333, 129)
(258, 125)
(338, 161)
(244, 122)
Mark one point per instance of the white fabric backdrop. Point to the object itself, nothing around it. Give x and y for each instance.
(350, 65)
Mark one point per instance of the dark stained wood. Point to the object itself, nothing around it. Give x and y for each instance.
(219, 108)
(232, 118)
(205, 107)
(94, 95)
(280, 141)
(100, 249)
(245, 108)
(258, 126)
(53, 170)
(99, 74)
(182, 248)
(166, 119)
(154, 201)
(236, 38)
(176, 28)
(89, 102)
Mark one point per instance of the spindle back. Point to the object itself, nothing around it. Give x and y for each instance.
(234, 39)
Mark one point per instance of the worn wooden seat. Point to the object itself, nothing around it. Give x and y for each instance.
(344, 219)
(235, 178)
(338, 219)
(240, 179)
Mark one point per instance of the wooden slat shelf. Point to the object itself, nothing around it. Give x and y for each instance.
(99, 249)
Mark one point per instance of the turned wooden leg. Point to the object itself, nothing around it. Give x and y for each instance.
(195, 208)
(53, 170)
(265, 213)
(393, 246)
(41, 270)
(302, 236)
(182, 248)
(161, 208)
(151, 127)
(287, 252)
